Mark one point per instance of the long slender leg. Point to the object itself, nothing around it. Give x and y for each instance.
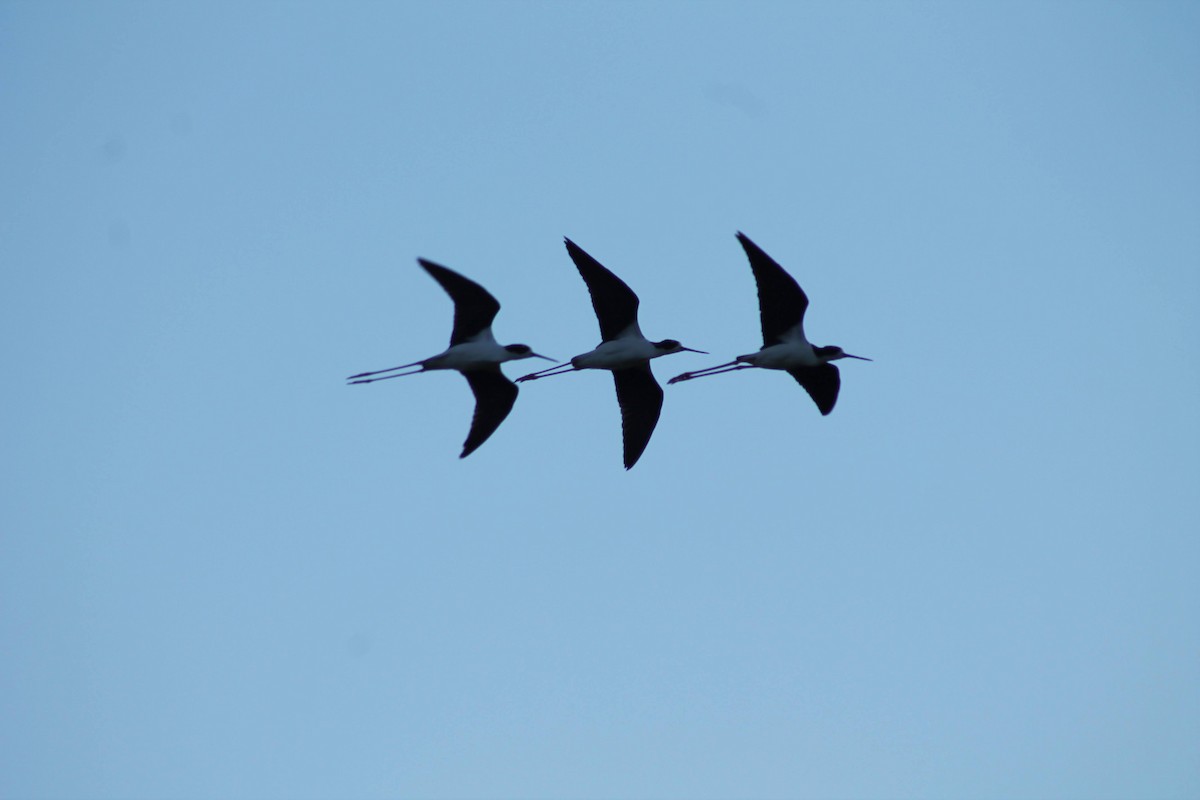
(561, 369)
(386, 377)
(381, 371)
(732, 366)
(698, 372)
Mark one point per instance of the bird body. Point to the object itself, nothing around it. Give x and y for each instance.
(624, 351)
(481, 352)
(628, 351)
(782, 305)
(473, 351)
(785, 355)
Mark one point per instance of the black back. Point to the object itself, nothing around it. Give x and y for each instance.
(781, 301)
(494, 398)
(822, 384)
(615, 303)
(641, 400)
(474, 306)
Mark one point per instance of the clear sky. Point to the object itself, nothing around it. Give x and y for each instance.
(225, 573)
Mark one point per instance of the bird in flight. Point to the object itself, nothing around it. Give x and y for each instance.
(623, 350)
(473, 351)
(781, 305)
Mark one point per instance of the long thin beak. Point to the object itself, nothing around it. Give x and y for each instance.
(690, 350)
(860, 358)
(539, 355)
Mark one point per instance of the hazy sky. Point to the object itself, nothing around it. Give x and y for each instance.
(224, 573)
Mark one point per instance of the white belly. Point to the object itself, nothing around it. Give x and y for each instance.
(617, 354)
(469, 355)
(783, 356)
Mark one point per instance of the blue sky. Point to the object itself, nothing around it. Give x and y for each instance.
(224, 573)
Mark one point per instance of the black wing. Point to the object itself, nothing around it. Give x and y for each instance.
(494, 398)
(641, 400)
(615, 303)
(781, 301)
(474, 306)
(822, 384)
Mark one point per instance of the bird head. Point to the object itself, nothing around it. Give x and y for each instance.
(673, 346)
(518, 351)
(833, 353)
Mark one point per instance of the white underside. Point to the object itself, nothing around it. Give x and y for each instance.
(482, 351)
(617, 354)
(793, 353)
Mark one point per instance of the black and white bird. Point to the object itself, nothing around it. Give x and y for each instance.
(473, 351)
(623, 350)
(781, 304)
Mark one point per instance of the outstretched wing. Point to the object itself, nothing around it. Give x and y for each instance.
(822, 384)
(781, 301)
(474, 306)
(615, 303)
(641, 400)
(494, 398)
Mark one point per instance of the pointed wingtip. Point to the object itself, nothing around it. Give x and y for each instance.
(746, 242)
(432, 267)
(752, 250)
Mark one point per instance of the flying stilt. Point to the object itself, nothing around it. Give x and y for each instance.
(623, 350)
(473, 351)
(781, 304)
